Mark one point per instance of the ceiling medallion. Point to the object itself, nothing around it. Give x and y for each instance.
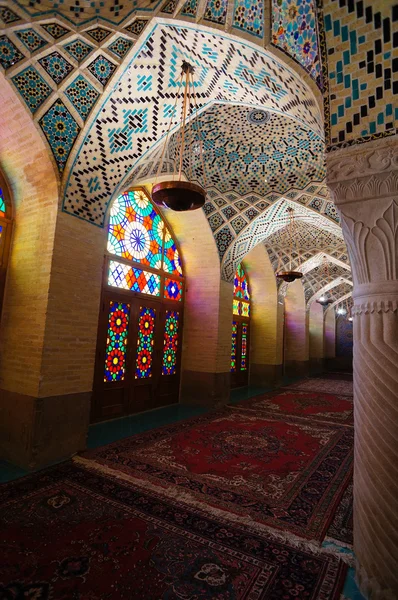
(258, 116)
(177, 194)
(290, 275)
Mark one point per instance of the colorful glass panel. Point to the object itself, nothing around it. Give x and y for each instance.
(243, 354)
(233, 348)
(170, 342)
(145, 341)
(129, 278)
(2, 204)
(236, 307)
(116, 341)
(245, 309)
(171, 256)
(172, 289)
(136, 230)
(241, 286)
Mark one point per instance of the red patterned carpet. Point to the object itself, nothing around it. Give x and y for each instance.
(69, 533)
(324, 385)
(313, 406)
(250, 469)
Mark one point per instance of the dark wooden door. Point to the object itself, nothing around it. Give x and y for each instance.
(138, 356)
(240, 352)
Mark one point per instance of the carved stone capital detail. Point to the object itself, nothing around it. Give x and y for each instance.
(364, 172)
(381, 306)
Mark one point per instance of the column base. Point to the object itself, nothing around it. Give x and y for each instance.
(297, 368)
(205, 389)
(265, 375)
(370, 588)
(36, 432)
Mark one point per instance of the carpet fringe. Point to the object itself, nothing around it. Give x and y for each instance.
(282, 536)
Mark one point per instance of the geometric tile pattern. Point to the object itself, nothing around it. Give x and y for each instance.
(82, 95)
(361, 49)
(99, 34)
(55, 29)
(317, 278)
(32, 40)
(9, 53)
(7, 16)
(102, 69)
(120, 47)
(216, 11)
(249, 17)
(78, 49)
(189, 9)
(254, 77)
(295, 32)
(61, 131)
(137, 27)
(32, 87)
(56, 66)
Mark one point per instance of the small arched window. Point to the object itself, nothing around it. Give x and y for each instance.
(141, 318)
(5, 234)
(240, 329)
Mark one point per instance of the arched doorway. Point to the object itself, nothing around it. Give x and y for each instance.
(5, 234)
(140, 324)
(240, 330)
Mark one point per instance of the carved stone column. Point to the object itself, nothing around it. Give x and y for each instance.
(364, 183)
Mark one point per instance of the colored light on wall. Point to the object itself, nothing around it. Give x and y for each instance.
(136, 280)
(116, 341)
(233, 348)
(172, 289)
(170, 342)
(145, 342)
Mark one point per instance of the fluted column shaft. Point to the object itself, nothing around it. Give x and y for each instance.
(364, 182)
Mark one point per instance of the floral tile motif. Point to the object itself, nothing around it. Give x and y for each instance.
(209, 208)
(224, 238)
(82, 95)
(56, 66)
(216, 11)
(55, 30)
(215, 221)
(32, 87)
(229, 212)
(316, 204)
(78, 50)
(294, 30)
(7, 16)
(61, 131)
(249, 17)
(32, 40)
(238, 224)
(331, 211)
(99, 34)
(169, 7)
(189, 9)
(251, 213)
(102, 69)
(241, 204)
(120, 47)
(9, 53)
(220, 202)
(137, 26)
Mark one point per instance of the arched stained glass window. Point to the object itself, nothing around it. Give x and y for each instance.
(141, 322)
(240, 329)
(5, 234)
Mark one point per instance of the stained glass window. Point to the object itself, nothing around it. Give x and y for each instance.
(172, 289)
(171, 256)
(170, 342)
(243, 355)
(2, 204)
(145, 341)
(129, 278)
(116, 341)
(241, 286)
(233, 348)
(245, 309)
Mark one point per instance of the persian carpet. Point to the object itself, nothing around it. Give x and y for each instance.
(69, 533)
(325, 385)
(254, 470)
(313, 406)
(341, 528)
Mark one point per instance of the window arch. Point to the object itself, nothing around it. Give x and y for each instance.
(138, 353)
(240, 329)
(5, 234)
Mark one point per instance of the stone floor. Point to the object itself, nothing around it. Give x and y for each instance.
(110, 431)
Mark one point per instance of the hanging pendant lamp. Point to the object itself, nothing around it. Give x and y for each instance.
(324, 300)
(177, 194)
(290, 275)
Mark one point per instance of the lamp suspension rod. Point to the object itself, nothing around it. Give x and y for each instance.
(184, 115)
(168, 131)
(199, 133)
